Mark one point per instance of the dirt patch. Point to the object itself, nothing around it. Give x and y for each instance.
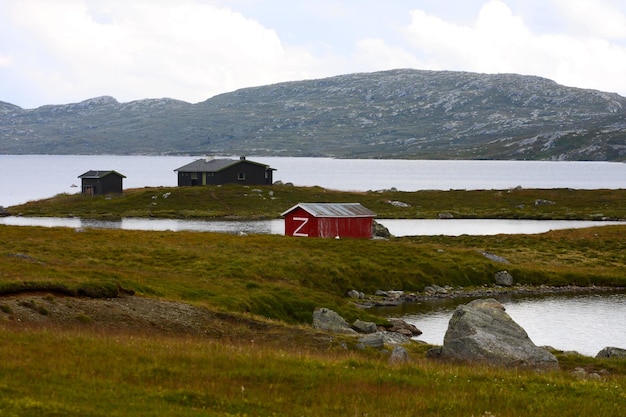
(149, 316)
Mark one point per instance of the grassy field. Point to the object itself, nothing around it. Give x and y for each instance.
(235, 201)
(60, 373)
(88, 370)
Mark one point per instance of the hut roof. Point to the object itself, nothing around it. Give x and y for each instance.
(333, 210)
(99, 174)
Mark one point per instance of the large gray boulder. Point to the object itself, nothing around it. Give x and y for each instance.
(481, 331)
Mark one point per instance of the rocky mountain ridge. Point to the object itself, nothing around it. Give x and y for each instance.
(389, 114)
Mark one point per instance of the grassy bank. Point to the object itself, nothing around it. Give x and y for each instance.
(235, 201)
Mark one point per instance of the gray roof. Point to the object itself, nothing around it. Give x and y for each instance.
(99, 174)
(214, 165)
(333, 210)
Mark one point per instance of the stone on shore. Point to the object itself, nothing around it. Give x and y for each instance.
(612, 352)
(504, 278)
(481, 331)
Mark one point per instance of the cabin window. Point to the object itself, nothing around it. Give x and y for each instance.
(241, 176)
(194, 175)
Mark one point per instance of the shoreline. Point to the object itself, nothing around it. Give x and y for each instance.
(398, 298)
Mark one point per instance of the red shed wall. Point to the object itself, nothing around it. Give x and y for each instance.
(356, 227)
(300, 223)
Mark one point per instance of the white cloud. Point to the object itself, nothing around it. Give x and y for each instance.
(64, 51)
(187, 50)
(498, 41)
(598, 18)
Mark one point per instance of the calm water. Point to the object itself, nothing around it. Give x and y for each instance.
(31, 177)
(583, 323)
(397, 227)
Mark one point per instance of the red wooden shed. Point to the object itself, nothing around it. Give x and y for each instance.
(335, 220)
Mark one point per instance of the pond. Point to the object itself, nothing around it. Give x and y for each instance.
(397, 227)
(585, 323)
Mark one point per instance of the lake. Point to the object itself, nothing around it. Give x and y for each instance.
(585, 323)
(32, 177)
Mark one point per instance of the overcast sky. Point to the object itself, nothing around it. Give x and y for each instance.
(66, 51)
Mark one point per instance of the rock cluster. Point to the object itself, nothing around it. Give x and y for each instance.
(369, 334)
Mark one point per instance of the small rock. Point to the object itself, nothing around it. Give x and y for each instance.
(354, 294)
(399, 356)
(542, 202)
(398, 203)
(402, 327)
(446, 216)
(612, 352)
(435, 290)
(495, 258)
(373, 340)
(364, 326)
(504, 278)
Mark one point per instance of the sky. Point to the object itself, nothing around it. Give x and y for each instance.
(67, 51)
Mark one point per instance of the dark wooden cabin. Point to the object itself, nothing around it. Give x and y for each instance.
(209, 171)
(334, 220)
(101, 182)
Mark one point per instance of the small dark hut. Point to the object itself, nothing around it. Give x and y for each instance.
(210, 171)
(101, 182)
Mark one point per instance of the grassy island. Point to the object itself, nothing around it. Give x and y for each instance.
(244, 202)
(255, 353)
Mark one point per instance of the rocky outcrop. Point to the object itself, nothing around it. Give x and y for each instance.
(612, 352)
(481, 331)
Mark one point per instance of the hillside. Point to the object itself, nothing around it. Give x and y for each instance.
(390, 114)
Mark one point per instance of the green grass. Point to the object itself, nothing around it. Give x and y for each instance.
(281, 368)
(59, 373)
(242, 202)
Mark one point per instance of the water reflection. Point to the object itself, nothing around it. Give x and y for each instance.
(175, 225)
(585, 323)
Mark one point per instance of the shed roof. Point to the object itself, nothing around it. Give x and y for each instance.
(333, 210)
(99, 174)
(214, 165)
